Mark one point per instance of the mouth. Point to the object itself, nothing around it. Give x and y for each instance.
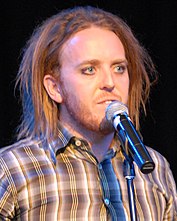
(107, 102)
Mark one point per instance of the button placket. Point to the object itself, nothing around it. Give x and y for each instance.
(106, 200)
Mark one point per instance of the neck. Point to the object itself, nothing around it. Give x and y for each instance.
(98, 141)
(101, 145)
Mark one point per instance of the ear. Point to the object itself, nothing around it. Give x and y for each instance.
(52, 87)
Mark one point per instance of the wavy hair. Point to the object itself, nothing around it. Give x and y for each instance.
(42, 56)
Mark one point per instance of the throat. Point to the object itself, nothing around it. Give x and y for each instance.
(101, 146)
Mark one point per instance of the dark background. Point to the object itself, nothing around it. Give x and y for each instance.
(154, 24)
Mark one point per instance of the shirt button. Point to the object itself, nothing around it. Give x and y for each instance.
(100, 167)
(106, 201)
(78, 143)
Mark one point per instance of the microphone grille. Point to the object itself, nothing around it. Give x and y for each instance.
(116, 107)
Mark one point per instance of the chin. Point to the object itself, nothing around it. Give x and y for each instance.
(105, 127)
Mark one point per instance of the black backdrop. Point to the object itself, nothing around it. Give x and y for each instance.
(155, 25)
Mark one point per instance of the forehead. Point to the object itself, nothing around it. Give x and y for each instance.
(91, 38)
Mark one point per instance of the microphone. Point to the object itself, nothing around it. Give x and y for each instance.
(117, 115)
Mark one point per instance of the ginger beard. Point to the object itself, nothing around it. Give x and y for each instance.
(80, 117)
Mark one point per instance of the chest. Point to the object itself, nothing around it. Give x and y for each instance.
(80, 189)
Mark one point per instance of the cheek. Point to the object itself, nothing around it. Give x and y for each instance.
(123, 87)
(75, 90)
(126, 88)
(82, 89)
(127, 85)
(126, 82)
(123, 82)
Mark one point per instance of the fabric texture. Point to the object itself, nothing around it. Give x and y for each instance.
(64, 181)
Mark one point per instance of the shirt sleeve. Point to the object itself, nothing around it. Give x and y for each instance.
(6, 198)
(164, 183)
(171, 209)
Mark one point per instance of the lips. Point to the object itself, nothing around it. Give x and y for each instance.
(106, 98)
(106, 101)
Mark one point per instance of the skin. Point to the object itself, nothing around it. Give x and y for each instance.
(93, 73)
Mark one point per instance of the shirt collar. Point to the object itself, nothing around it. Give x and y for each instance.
(65, 137)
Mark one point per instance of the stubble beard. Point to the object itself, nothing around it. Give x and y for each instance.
(82, 118)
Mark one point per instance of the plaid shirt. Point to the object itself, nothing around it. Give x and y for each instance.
(64, 181)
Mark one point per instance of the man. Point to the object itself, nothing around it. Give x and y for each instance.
(68, 162)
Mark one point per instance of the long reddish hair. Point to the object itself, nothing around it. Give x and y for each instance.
(42, 56)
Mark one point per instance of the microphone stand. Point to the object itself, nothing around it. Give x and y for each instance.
(129, 174)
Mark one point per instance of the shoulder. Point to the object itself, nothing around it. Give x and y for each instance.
(20, 146)
(22, 161)
(158, 158)
(22, 166)
(162, 172)
(16, 146)
(21, 154)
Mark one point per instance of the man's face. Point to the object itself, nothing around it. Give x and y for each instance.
(93, 73)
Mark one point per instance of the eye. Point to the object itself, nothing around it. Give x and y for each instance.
(121, 68)
(88, 70)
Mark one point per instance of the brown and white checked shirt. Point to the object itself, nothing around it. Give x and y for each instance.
(65, 182)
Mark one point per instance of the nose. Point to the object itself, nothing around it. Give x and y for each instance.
(107, 81)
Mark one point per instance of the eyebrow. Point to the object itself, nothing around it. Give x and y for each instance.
(97, 62)
(85, 62)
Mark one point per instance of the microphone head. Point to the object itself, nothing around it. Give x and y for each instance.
(115, 108)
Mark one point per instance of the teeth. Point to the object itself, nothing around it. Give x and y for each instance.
(108, 102)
